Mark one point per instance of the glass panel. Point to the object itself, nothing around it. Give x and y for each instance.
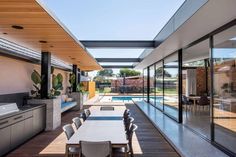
(152, 85)
(196, 103)
(171, 101)
(159, 86)
(224, 57)
(145, 76)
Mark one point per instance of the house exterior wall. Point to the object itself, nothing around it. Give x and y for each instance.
(15, 76)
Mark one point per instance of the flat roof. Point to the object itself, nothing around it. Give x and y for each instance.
(42, 32)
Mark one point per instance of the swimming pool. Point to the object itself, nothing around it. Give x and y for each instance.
(127, 98)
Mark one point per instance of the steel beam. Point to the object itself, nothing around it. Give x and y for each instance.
(117, 66)
(118, 59)
(45, 75)
(119, 44)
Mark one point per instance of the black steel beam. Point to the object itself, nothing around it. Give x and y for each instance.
(45, 75)
(117, 66)
(79, 75)
(119, 44)
(119, 59)
(75, 72)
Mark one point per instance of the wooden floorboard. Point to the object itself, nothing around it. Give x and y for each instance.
(147, 141)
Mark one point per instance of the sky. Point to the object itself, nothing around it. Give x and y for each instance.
(114, 20)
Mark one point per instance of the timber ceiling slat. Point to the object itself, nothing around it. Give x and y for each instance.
(39, 25)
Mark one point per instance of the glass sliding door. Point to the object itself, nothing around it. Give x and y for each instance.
(152, 84)
(224, 83)
(145, 84)
(171, 93)
(196, 89)
(159, 85)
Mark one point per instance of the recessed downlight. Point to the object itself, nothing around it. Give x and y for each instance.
(17, 27)
(42, 41)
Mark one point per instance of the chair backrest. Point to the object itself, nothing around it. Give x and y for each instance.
(83, 116)
(77, 122)
(185, 100)
(87, 112)
(98, 149)
(128, 122)
(203, 101)
(68, 130)
(130, 134)
(126, 114)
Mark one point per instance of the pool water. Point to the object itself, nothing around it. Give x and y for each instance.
(126, 98)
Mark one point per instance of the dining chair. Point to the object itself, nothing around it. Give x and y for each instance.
(128, 123)
(83, 116)
(129, 148)
(96, 149)
(87, 112)
(69, 131)
(203, 101)
(77, 122)
(187, 104)
(126, 114)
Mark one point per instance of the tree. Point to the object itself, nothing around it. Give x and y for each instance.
(129, 72)
(159, 73)
(105, 72)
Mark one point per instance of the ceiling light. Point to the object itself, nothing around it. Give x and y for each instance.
(17, 27)
(42, 41)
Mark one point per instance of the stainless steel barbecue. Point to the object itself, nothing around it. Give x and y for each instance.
(6, 108)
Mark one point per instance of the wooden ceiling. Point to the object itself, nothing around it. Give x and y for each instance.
(40, 25)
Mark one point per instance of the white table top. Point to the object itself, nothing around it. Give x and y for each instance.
(101, 130)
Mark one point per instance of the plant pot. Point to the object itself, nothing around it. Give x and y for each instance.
(53, 111)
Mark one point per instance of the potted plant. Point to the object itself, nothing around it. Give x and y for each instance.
(71, 81)
(57, 84)
(83, 92)
(36, 79)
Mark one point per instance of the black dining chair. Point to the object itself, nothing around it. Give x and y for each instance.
(77, 122)
(69, 131)
(126, 114)
(186, 103)
(129, 148)
(83, 116)
(87, 112)
(128, 122)
(204, 101)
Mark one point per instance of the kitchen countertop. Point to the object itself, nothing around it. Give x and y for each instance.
(22, 109)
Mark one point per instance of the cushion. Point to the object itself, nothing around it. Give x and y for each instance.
(63, 98)
(69, 99)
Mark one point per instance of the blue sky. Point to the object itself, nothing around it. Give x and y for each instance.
(114, 20)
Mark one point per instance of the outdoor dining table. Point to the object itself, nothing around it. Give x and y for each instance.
(101, 126)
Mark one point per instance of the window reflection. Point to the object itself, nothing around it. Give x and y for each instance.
(152, 85)
(145, 75)
(224, 59)
(170, 72)
(159, 86)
